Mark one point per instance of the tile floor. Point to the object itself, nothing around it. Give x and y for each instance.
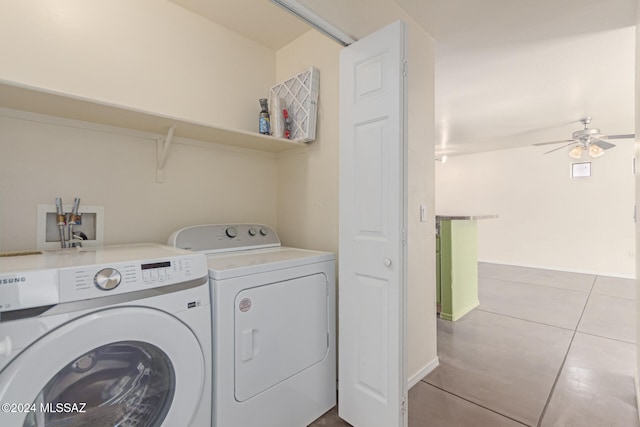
(544, 348)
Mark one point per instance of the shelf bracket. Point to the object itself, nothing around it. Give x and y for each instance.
(162, 152)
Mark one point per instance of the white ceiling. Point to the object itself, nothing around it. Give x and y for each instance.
(509, 73)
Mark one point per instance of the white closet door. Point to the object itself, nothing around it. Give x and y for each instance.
(372, 299)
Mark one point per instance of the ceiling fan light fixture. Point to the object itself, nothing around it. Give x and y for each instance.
(587, 139)
(595, 151)
(576, 152)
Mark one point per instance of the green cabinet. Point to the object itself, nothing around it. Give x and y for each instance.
(457, 265)
(438, 271)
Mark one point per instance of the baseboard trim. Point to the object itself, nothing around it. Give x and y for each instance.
(636, 384)
(559, 268)
(460, 314)
(423, 372)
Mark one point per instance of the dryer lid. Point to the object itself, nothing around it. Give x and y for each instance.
(238, 264)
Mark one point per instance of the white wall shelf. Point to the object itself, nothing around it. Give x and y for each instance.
(41, 101)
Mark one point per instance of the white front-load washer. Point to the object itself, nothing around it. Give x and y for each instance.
(111, 336)
(274, 343)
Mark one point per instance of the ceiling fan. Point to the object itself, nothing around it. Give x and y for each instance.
(589, 140)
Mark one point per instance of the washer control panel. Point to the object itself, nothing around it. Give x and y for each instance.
(75, 274)
(212, 238)
(93, 281)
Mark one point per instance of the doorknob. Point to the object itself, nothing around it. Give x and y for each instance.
(387, 262)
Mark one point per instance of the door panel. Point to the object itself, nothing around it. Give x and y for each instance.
(370, 189)
(373, 322)
(372, 379)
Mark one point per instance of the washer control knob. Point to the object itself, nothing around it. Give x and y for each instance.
(264, 231)
(253, 231)
(231, 232)
(107, 279)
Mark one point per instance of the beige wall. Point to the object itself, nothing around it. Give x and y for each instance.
(44, 157)
(146, 54)
(547, 219)
(308, 178)
(422, 331)
(637, 195)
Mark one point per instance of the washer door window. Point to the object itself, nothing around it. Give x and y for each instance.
(127, 383)
(118, 367)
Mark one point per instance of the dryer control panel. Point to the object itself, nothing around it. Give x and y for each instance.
(214, 238)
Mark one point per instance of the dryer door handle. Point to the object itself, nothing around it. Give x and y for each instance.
(247, 344)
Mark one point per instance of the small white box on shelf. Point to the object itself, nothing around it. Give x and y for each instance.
(278, 124)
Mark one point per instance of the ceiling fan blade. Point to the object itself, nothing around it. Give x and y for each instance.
(554, 142)
(560, 148)
(626, 136)
(602, 143)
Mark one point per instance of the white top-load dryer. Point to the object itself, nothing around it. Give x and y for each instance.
(108, 336)
(273, 309)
